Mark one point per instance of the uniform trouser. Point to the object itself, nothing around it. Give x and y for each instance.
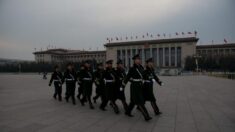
(99, 91)
(80, 91)
(70, 91)
(108, 96)
(58, 89)
(87, 91)
(142, 109)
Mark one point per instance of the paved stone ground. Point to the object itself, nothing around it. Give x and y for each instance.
(188, 103)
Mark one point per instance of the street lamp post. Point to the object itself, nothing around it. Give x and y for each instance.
(196, 61)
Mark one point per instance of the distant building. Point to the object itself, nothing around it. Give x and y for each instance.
(64, 55)
(168, 54)
(216, 49)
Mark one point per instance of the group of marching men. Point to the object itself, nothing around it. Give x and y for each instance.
(110, 85)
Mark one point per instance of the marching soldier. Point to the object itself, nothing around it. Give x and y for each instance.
(57, 78)
(80, 89)
(120, 72)
(86, 79)
(135, 75)
(149, 76)
(70, 79)
(110, 93)
(99, 82)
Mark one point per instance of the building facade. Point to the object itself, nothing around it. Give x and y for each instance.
(64, 55)
(168, 54)
(216, 49)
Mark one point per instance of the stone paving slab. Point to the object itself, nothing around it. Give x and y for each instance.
(188, 103)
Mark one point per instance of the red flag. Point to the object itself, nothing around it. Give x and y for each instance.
(189, 33)
(225, 40)
(176, 34)
(182, 33)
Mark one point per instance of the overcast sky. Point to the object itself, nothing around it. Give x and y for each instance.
(84, 24)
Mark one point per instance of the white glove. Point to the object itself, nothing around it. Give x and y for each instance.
(121, 89)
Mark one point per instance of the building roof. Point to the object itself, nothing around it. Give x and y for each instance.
(66, 52)
(227, 45)
(156, 41)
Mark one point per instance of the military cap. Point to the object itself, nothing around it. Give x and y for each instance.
(149, 60)
(119, 61)
(137, 56)
(109, 62)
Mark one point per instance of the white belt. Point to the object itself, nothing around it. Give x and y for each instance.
(147, 81)
(87, 79)
(109, 81)
(69, 79)
(137, 80)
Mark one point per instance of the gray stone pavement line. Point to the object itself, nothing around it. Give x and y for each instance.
(204, 107)
(208, 112)
(191, 110)
(177, 96)
(92, 124)
(107, 129)
(165, 101)
(220, 102)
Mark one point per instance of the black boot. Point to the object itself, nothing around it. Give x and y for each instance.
(54, 96)
(94, 99)
(67, 99)
(91, 106)
(73, 99)
(115, 108)
(125, 106)
(155, 108)
(60, 98)
(129, 109)
(145, 113)
(102, 108)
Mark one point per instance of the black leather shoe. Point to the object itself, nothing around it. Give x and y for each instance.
(103, 109)
(148, 118)
(92, 107)
(94, 100)
(158, 113)
(129, 114)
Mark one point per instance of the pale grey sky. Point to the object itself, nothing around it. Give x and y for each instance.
(81, 24)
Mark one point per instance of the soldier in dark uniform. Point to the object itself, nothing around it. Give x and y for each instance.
(57, 78)
(135, 75)
(86, 78)
(149, 76)
(99, 82)
(80, 89)
(110, 92)
(120, 93)
(70, 79)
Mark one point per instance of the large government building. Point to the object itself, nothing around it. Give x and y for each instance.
(216, 49)
(64, 55)
(168, 54)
